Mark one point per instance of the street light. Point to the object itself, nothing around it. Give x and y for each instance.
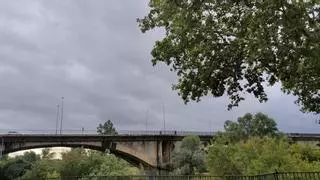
(57, 120)
(164, 118)
(61, 118)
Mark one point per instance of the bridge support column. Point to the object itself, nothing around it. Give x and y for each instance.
(2, 147)
(164, 151)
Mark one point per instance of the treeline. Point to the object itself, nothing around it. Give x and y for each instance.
(76, 162)
(249, 146)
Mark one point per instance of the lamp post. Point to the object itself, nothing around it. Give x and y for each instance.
(61, 118)
(57, 120)
(147, 116)
(164, 118)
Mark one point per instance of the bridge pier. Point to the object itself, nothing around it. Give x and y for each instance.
(2, 147)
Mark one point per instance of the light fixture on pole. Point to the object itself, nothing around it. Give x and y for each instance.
(61, 118)
(147, 116)
(57, 120)
(164, 118)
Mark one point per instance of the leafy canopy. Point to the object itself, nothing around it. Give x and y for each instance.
(188, 159)
(78, 163)
(251, 125)
(107, 128)
(13, 168)
(260, 155)
(234, 47)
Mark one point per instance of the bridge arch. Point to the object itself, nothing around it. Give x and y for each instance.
(131, 159)
(153, 152)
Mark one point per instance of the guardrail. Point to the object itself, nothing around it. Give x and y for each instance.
(133, 132)
(94, 132)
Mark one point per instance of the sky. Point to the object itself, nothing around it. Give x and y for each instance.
(93, 54)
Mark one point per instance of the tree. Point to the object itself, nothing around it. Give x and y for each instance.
(251, 125)
(260, 155)
(46, 153)
(233, 47)
(44, 168)
(74, 163)
(113, 166)
(107, 128)
(13, 168)
(77, 162)
(189, 158)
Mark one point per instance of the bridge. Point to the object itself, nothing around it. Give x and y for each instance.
(150, 149)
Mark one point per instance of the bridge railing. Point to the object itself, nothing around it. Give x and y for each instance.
(94, 132)
(131, 132)
(170, 133)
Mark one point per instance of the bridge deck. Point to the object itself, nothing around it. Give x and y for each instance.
(132, 137)
(93, 137)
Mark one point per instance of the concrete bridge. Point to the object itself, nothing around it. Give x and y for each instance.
(152, 151)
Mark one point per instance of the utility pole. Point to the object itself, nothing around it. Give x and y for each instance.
(57, 120)
(61, 118)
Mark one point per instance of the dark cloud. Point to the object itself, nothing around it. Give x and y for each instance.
(93, 54)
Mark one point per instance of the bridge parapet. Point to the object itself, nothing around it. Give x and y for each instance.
(94, 132)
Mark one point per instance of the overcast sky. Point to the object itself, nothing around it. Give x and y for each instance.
(93, 54)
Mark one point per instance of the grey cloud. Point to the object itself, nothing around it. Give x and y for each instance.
(93, 54)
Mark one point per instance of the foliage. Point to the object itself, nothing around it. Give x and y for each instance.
(189, 158)
(260, 155)
(107, 128)
(47, 154)
(43, 169)
(13, 168)
(224, 47)
(113, 166)
(79, 162)
(76, 162)
(250, 125)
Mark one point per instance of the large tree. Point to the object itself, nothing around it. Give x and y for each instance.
(189, 158)
(107, 128)
(251, 125)
(233, 47)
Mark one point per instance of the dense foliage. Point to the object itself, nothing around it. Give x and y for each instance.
(249, 125)
(12, 168)
(259, 155)
(76, 162)
(233, 47)
(188, 159)
(253, 145)
(107, 128)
